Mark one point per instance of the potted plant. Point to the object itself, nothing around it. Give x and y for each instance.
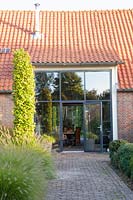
(90, 141)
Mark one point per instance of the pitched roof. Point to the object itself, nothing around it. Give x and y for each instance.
(69, 37)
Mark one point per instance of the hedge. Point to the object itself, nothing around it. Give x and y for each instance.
(125, 155)
(121, 155)
(113, 151)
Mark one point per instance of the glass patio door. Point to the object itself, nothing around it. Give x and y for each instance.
(93, 127)
(72, 126)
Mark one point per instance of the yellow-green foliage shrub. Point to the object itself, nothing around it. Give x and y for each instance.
(23, 95)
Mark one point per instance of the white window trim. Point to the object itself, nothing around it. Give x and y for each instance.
(114, 102)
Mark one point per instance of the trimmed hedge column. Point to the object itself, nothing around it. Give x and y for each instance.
(24, 96)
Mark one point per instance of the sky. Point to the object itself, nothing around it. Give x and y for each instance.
(66, 4)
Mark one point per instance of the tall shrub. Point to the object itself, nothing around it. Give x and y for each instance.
(23, 95)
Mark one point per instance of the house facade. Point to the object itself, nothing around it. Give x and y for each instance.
(83, 63)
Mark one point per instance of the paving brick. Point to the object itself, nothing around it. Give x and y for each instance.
(86, 176)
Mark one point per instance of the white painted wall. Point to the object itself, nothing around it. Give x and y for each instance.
(114, 102)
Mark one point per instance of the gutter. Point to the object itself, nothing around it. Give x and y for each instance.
(5, 91)
(125, 90)
(118, 90)
(38, 64)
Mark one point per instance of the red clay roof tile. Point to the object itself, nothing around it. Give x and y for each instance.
(69, 37)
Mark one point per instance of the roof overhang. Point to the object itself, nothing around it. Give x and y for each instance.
(94, 64)
(5, 91)
(125, 90)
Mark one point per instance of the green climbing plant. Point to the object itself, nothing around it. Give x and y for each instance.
(23, 96)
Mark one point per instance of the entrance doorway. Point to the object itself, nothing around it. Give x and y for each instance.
(86, 126)
(72, 129)
(97, 127)
(93, 127)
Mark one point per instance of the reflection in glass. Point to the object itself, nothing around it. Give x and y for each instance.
(47, 118)
(72, 124)
(97, 85)
(73, 116)
(93, 122)
(92, 118)
(106, 119)
(46, 84)
(72, 86)
(69, 86)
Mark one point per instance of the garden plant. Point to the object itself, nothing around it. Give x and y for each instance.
(121, 154)
(25, 162)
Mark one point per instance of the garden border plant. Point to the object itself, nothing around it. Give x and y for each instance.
(25, 165)
(121, 155)
(113, 151)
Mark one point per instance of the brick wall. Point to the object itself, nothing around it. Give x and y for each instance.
(125, 115)
(6, 108)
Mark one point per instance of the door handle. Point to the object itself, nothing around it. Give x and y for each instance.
(100, 127)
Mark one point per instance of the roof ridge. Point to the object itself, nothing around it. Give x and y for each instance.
(60, 11)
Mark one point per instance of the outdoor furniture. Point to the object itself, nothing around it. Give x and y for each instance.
(77, 135)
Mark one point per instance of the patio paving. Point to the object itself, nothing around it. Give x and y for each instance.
(86, 176)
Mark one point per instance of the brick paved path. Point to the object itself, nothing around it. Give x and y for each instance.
(86, 176)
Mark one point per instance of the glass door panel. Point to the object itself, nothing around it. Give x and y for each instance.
(106, 118)
(72, 116)
(93, 127)
(47, 118)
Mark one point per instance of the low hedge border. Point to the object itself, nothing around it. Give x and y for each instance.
(121, 155)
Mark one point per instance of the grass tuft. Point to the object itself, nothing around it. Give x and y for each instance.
(23, 173)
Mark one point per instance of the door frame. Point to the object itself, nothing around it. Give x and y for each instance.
(61, 146)
(101, 123)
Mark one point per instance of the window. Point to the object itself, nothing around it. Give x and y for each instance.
(47, 86)
(97, 85)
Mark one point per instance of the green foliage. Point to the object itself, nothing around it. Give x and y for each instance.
(38, 149)
(47, 110)
(114, 146)
(25, 168)
(91, 136)
(48, 138)
(23, 95)
(45, 141)
(54, 118)
(22, 174)
(113, 151)
(6, 135)
(131, 167)
(115, 160)
(49, 167)
(92, 94)
(121, 154)
(71, 86)
(125, 154)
